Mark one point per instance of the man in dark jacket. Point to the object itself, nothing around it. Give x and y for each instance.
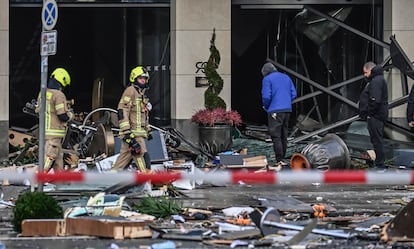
(278, 92)
(410, 108)
(373, 107)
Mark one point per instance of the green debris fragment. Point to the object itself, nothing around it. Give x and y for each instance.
(160, 207)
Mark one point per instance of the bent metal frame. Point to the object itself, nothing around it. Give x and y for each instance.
(397, 59)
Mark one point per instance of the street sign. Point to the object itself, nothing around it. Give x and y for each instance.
(49, 14)
(48, 43)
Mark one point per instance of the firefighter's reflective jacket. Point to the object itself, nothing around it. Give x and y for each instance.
(56, 105)
(133, 113)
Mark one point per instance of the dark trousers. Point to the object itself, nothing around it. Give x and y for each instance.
(376, 133)
(278, 131)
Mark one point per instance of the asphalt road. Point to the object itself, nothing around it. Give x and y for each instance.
(344, 200)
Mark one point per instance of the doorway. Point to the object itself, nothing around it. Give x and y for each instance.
(307, 44)
(94, 42)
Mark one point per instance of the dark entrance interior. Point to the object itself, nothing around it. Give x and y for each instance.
(307, 44)
(94, 42)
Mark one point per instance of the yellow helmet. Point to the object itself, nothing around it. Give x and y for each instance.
(137, 72)
(62, 76)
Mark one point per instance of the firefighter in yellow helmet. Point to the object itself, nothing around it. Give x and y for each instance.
(56, 118)
(133, 111)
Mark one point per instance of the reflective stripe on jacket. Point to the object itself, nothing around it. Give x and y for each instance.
(135, 115)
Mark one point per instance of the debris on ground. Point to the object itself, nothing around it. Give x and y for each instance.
(400, 227)
(168, 211)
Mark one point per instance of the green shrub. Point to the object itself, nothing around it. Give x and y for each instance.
(35, 205)
(159, 207)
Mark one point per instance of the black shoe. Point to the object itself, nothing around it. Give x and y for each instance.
(281, 163)
(131, 168)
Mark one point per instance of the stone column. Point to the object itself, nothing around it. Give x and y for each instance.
(4, 79)
(192, 24)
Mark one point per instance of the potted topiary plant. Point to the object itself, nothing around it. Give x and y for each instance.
(214, 122)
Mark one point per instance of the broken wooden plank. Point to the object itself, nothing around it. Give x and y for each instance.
(253, 159)
(43, 227)
(109, 227)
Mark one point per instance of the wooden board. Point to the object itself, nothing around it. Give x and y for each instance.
(108, 227)
(43, 227)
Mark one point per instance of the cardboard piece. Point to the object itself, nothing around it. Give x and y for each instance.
(255, 161)
(249, 162)
(101, 226)
(108, 227)
(43, 227)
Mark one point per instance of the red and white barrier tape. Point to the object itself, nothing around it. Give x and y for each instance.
(225, 177)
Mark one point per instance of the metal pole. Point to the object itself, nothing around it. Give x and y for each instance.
(343, 25)
(392, 104)
(305, 68)
(332, 87)
(313, 83)
(341, 84)
(326, 128)
(42, 113)
(315, 230)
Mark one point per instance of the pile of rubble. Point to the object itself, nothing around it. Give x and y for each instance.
(116, 211)
(275, 222)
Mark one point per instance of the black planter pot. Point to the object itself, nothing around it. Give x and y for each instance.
(330, 152)
(215, 139)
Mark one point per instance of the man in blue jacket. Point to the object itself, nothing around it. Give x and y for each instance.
(373, 107)
(278, 92)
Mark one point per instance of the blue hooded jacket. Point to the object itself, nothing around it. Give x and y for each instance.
(278, 90)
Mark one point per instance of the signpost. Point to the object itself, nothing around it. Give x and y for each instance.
(49, 14)
(48, 47)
